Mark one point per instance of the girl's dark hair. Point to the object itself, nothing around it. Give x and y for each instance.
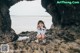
(40, 21)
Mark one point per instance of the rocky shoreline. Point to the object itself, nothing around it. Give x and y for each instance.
(59, 41)
(63, 37)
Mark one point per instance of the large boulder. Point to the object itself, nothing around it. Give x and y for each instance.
(63, 14)
(65, 18)
(5, 21)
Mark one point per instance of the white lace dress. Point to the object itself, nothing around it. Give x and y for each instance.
(41, 31)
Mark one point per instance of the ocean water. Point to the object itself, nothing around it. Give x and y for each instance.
(29, 23)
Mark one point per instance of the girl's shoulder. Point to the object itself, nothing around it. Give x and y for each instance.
(43, 28)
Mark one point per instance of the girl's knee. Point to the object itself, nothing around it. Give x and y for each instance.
(38, 36)
(43, 36)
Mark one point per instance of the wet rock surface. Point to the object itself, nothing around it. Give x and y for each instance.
(58, 41)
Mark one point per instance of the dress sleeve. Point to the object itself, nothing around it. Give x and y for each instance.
(44, 30)
(38, 31)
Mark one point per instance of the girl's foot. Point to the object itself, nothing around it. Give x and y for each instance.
(44, 41)
(37, 41)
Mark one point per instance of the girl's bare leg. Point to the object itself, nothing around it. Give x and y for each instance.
(38, 36)
(43, 37)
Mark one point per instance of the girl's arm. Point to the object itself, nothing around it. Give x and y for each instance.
(43, 30)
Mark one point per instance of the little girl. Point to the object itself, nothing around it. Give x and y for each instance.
(41, 30)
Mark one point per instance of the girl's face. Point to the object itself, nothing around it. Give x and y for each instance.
(41, 24)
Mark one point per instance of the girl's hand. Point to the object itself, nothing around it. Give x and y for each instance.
(41, 27)
(38, 27)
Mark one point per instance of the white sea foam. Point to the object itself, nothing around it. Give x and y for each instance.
(23, 38)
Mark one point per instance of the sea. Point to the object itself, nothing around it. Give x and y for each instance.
(29, 23)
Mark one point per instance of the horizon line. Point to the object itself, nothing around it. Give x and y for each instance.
(32, 15)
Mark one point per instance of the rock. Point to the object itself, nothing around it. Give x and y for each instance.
(65, 19)
(64, 35)
(31, 35)
(5, 21)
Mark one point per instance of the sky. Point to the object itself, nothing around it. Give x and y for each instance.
(21, 12)
(28, 8)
